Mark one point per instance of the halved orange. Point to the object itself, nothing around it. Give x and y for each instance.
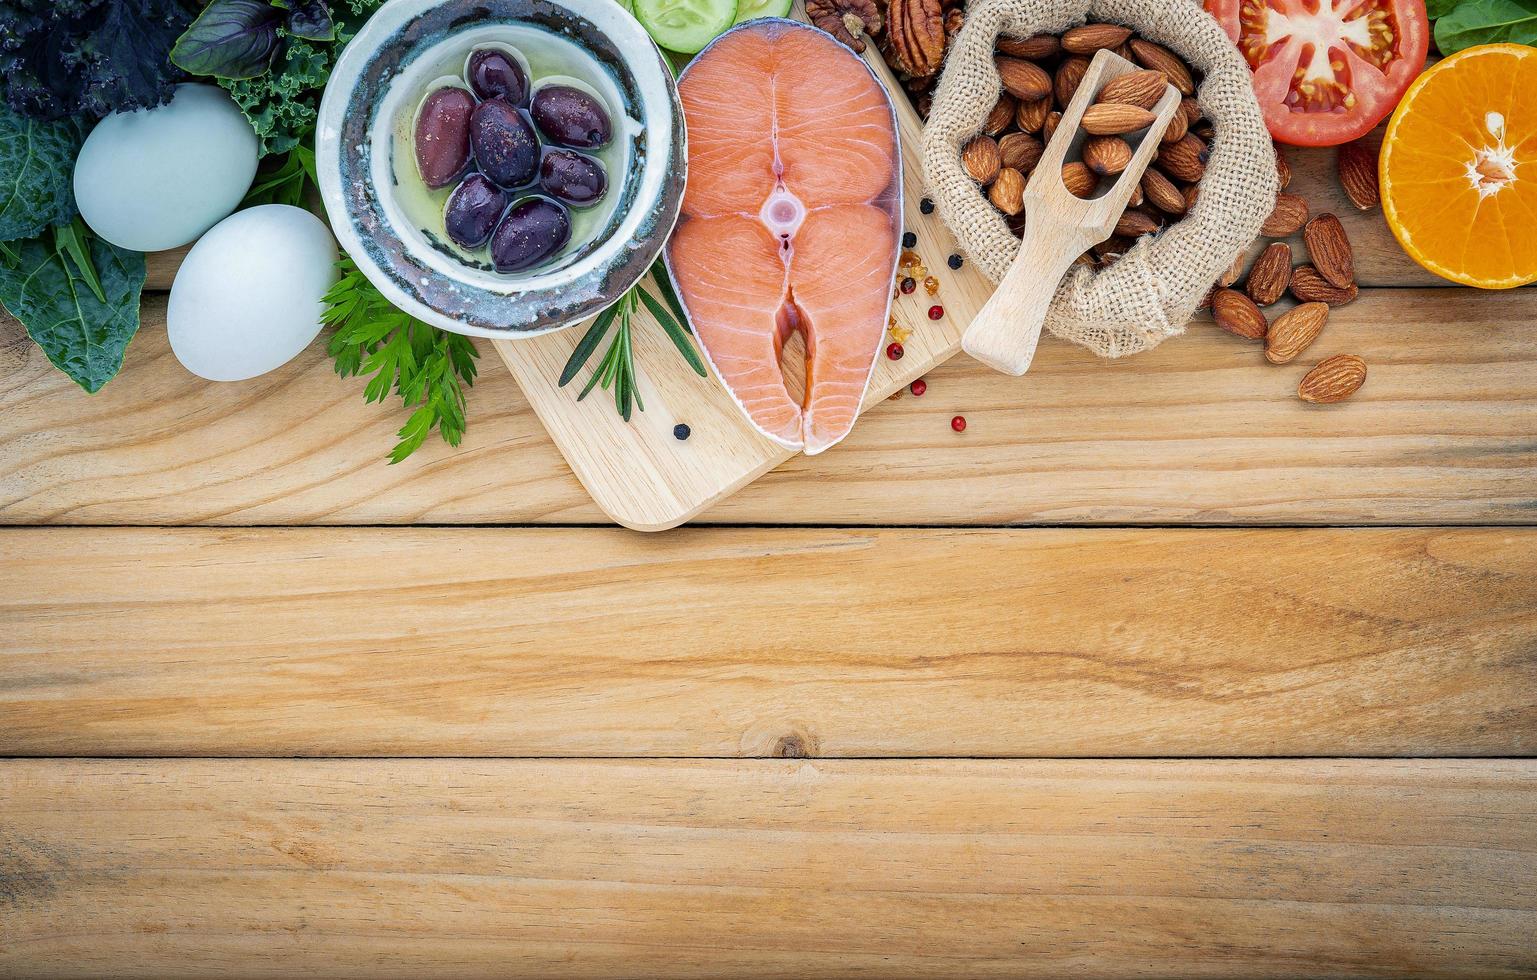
(1459, 167)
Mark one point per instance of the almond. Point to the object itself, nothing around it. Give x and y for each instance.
(1142, 89)
(1357, 167)
(1135, 224)
(1000, 116)
(1310, 287)
(1330, 250)
(1023, 79)
(1008, 191)
(981, 159)
(1031, 116)
(1161, 192)
(1107, 155)
(1069, 76)
(1049, 128)
(1294, 331)
(1184, 160)
(1159, 58)
(1333, 380)
(1192, 193)
(1079, 180)
(1283, 169)
(1176, 130)
(1111, 119)
(1234, 270)
(1020, 151)
(1271, 274)
(1038, 47)
(1287, 218)
(1089, 38)
(1137, 197)
(1237, 314)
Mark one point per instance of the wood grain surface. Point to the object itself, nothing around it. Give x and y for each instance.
(464, 868)
(467, 642)
(1201, 429)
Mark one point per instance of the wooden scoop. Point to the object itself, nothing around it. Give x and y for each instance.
(1060, 227)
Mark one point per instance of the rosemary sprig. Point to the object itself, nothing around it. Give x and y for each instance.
(616, 369)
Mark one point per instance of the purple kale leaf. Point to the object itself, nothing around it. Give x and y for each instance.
(87, 58)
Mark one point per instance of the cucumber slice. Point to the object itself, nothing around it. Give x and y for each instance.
(685, 25)
(748, 9)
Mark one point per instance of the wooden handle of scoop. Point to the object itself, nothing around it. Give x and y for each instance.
(1004, 334)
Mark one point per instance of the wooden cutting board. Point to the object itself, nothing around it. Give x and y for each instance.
(645, 478)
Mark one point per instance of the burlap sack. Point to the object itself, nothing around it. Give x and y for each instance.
(1153, 290)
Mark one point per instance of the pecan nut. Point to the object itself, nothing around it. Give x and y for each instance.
(915, 35)
(850, 21)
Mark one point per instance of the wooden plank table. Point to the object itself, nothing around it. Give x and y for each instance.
(1154, 671)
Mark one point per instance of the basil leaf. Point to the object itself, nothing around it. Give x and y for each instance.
(37, 160)
(311, 20)
(84, 337)
(1475, 22)
(230, 39)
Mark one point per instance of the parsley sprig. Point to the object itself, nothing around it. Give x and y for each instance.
(427, 367)
(616, 370)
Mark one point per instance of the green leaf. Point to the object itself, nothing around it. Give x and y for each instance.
(1475, 22)
(83, 336)
(37, 162)
(73, 240)
(1436, 9)
(288, 183)
(675, 333)
(587, 344)
(664, 286)
(281, 104)
(427, 367)
(230, 39)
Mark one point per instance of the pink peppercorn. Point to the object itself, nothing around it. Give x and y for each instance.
(958, 423)
(918, 387)
(936, 312)
(894, 351)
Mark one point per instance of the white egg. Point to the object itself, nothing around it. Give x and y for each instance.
(158, 178)
(248, 297)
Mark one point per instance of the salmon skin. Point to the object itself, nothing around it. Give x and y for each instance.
(791, 222)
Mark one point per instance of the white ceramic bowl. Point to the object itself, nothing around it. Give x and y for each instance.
(364, 163)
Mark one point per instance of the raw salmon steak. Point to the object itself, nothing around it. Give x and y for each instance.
(791, 222)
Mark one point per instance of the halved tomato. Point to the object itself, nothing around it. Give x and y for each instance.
(1327, 71)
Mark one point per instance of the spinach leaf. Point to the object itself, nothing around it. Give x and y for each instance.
(230, 39)
(37, 160)
(82, 335)
(1474, 22)
(1440, 8)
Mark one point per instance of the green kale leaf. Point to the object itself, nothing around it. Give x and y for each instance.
(282, 103)
(87, 58)
(1474, 22)
(84, 334)
(37, 160)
